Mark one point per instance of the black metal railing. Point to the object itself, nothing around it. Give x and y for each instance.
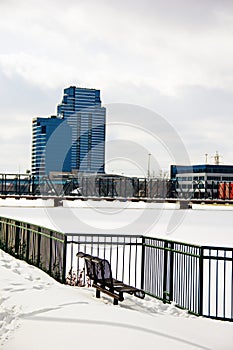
(172, 272)
(37, 245)
(218, 282)
(196, 278)
(124, 252)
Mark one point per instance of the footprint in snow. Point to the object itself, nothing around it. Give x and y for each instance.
(17, 271)
(7, 266)
(29, 278)
(3, 299)
(5, 261)
(7, 289)
(39, 287)
(8, 322)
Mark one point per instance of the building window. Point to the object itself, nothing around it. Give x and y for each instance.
(227, 178)
(215, 178)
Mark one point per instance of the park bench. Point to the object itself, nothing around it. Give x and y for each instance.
(99, 271)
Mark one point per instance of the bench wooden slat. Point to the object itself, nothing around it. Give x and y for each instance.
(99, 270)
(106, 291)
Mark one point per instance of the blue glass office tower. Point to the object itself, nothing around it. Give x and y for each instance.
(82, 110)
(74, 139)
(50, 146)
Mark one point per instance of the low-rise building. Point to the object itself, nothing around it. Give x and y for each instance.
(200, 181)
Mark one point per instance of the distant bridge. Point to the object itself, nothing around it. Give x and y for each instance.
(107, 187)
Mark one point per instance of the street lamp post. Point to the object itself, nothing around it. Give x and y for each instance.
(148, 169)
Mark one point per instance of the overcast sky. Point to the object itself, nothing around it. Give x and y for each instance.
(174, 57)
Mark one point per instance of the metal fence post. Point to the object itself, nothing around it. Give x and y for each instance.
(17, 232)
(38, 247)
(165, 292)
(171, 272)
(50, 252)
(28, 242)
(7, 234)
(201, 276)
(64, 260)
(143, 263)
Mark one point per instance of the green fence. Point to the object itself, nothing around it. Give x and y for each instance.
(173, 272)
(196, 278)
(37, 245)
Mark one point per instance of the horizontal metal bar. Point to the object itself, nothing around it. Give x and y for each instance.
(102, 235)
(105, 243)
(171, 250)
(171, 241)
(218, 248)
(35, 231)
(156, 297)
(30, 223)
(219, 318)
(189, 311)
(169, 302)
(218, 258)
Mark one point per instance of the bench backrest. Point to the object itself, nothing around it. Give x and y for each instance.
(90, 269)
(98, 269)
(106, 271)
(102, 271)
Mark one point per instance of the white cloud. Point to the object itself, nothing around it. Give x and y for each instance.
(91, 40)
(148, 53)
(41, 71)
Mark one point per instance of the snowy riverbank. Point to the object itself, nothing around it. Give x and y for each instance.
(204, 224)
(38, 313)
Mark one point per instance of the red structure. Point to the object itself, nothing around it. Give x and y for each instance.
(225, 190)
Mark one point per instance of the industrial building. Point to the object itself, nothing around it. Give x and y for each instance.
(201, 181)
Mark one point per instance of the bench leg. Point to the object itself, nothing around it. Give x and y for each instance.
(121, 296)
(97, 294)
(115, 301)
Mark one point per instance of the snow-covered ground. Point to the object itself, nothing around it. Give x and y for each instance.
(38, 313)
(204, 224)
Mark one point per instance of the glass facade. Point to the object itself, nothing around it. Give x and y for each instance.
(74, 139)
(50, 146)
(83, 111)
